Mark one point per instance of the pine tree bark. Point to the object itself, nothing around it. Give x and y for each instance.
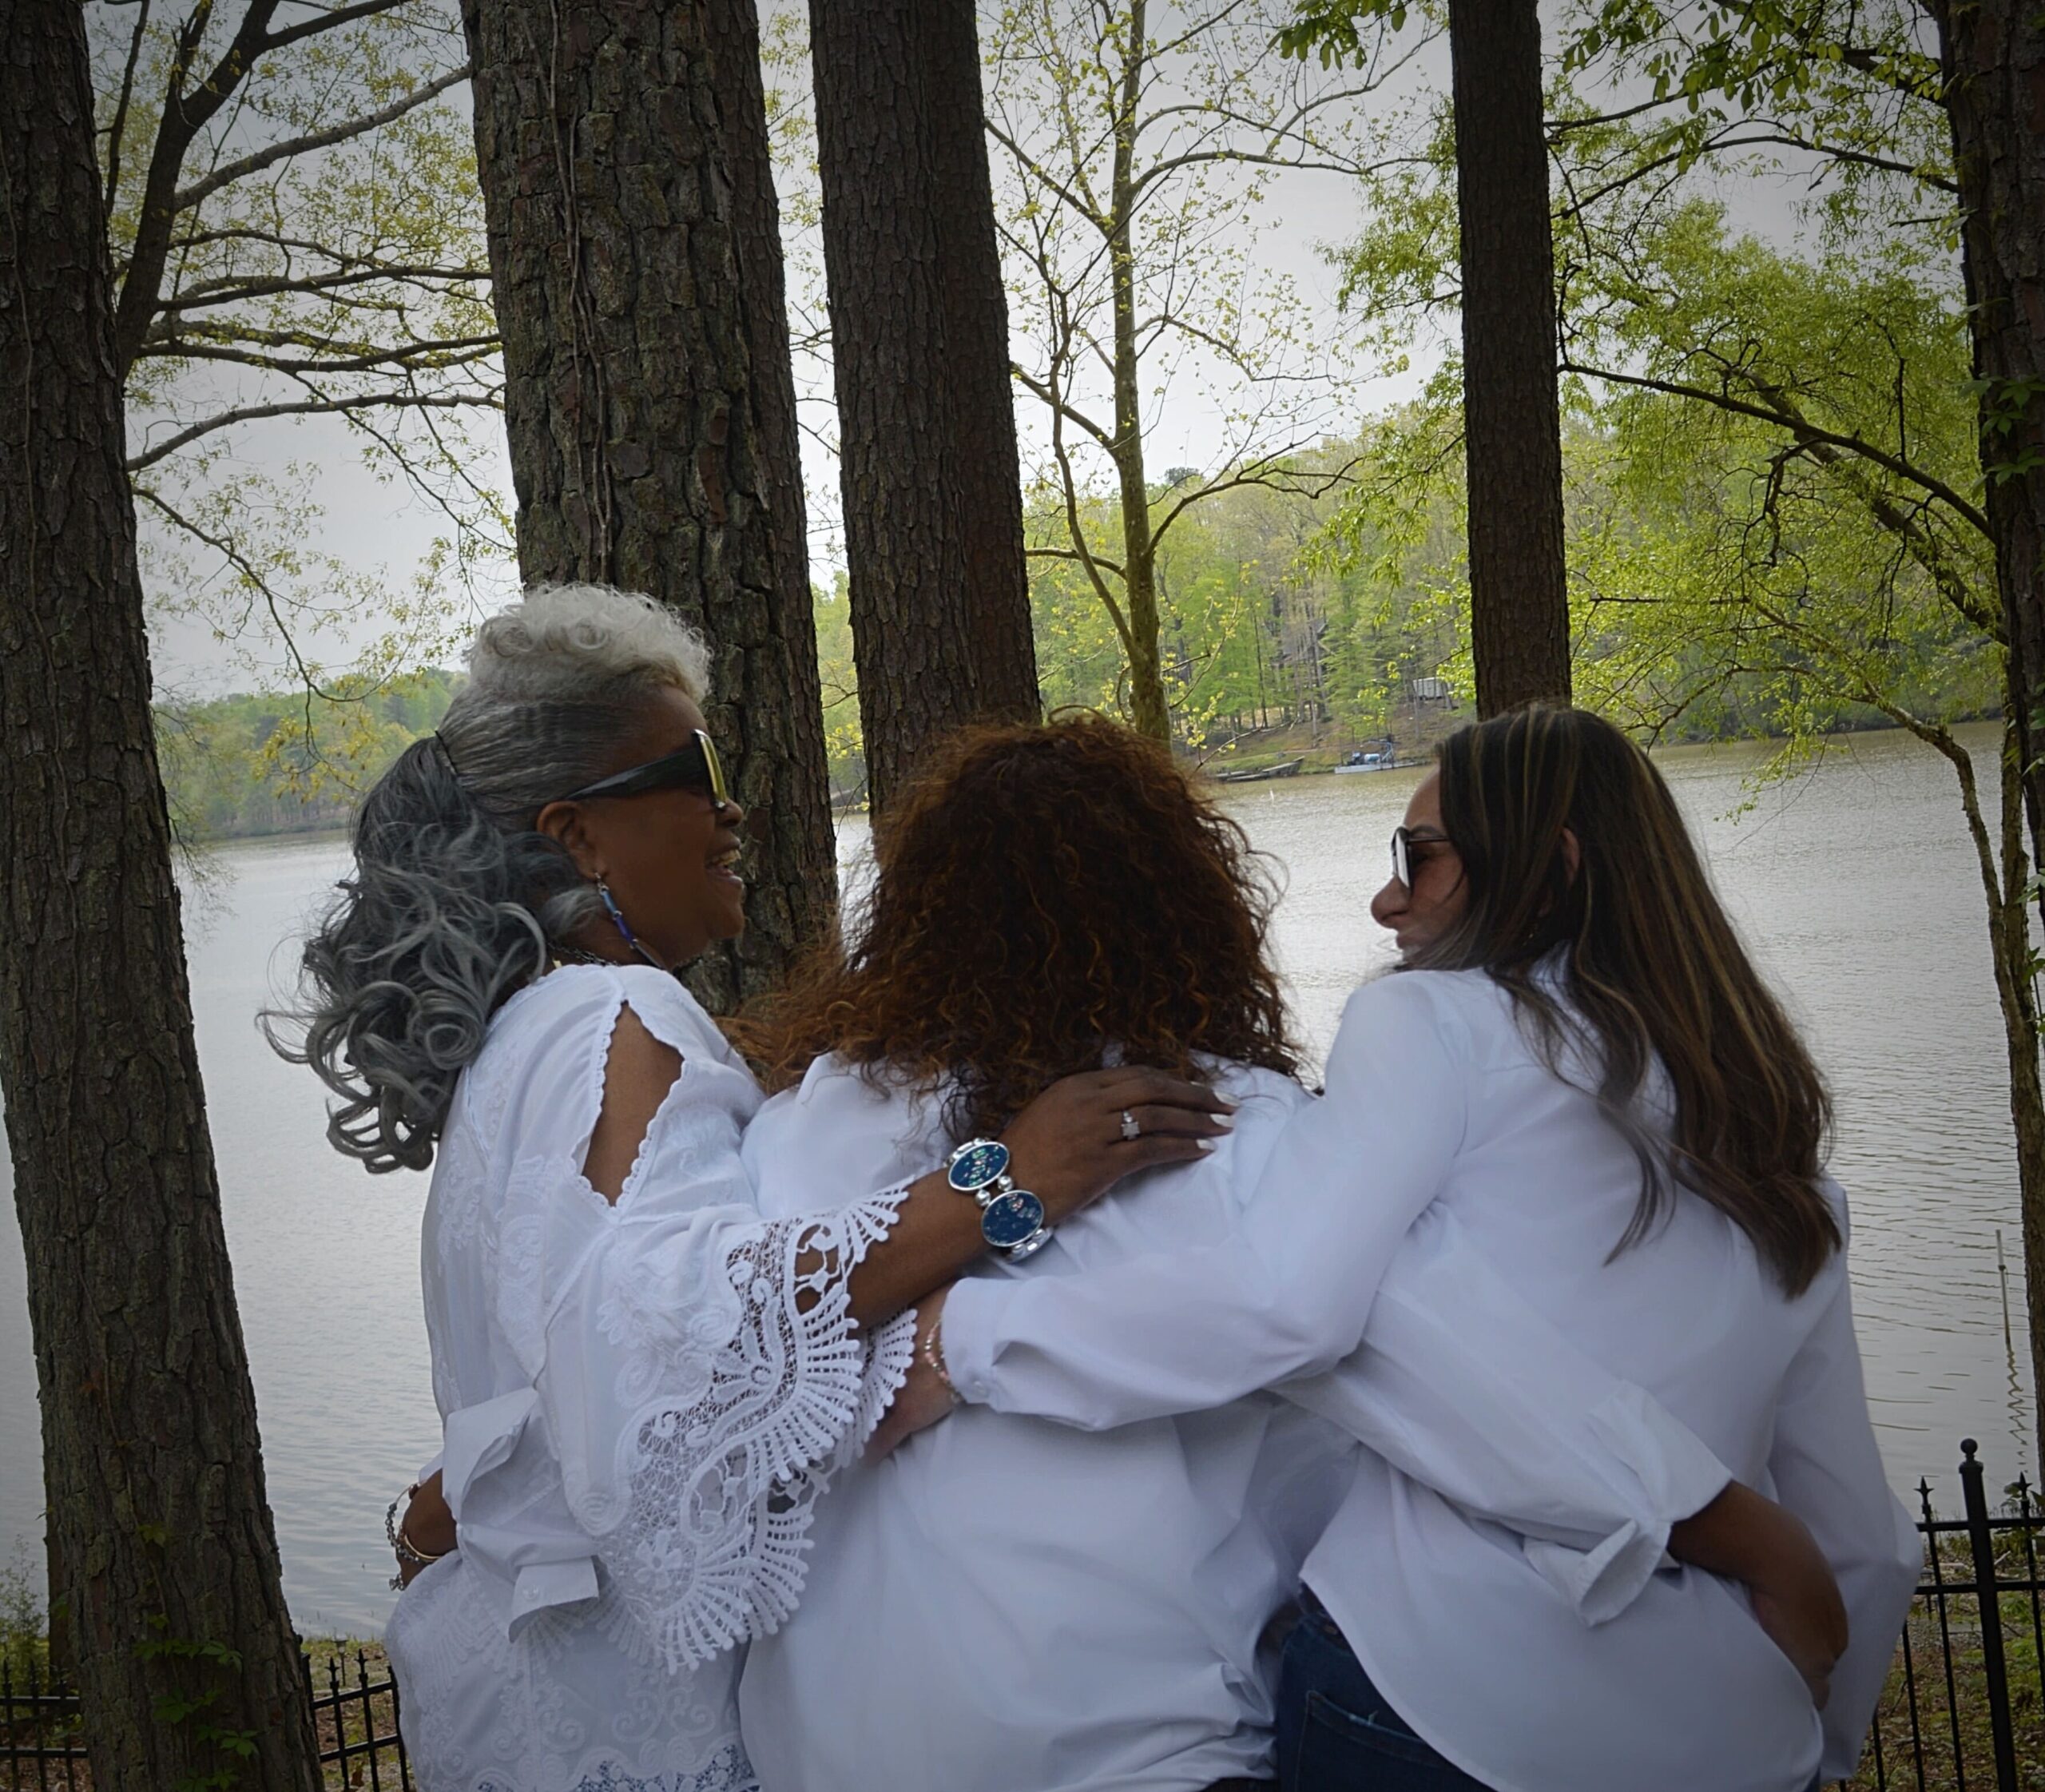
(153, 1474)
(1511, 417)
(987, 465)
(799, 815)
(635, 266)
(932, 492)
(1992, 58)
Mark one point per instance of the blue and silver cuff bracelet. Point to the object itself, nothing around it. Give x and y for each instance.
(1012, 1218)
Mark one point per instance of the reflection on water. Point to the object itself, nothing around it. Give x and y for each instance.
(1855, 887)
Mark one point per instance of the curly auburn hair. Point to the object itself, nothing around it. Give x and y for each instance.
(1040, 893)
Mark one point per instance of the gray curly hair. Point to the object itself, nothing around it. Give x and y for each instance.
(454, 895)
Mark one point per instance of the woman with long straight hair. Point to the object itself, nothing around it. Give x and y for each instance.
(644, 1386)
(1009, 1605)
(1577, 1087)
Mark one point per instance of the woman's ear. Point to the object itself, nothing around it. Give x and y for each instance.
(565, 822)
(1572, 853)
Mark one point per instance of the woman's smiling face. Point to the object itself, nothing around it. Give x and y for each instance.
(1418, 915)
(670, 857)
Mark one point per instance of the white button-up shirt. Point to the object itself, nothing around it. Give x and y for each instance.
(1007, 1605)
(1436, 1106)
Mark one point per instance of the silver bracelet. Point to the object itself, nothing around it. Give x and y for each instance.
(402, 1546)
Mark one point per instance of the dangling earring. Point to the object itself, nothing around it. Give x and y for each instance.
(618, 921)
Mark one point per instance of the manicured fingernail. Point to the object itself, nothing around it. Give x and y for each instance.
(1204, 1144)
(1221, 1120)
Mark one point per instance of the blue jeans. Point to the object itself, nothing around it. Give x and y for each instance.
(1335, 1732)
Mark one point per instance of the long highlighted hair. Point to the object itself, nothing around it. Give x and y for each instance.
(1649, 969)
(1042, 894)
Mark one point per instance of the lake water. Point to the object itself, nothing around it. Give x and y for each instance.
(1855, 885)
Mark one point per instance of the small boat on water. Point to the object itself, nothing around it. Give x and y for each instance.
(1285, 769)
(1383, 761)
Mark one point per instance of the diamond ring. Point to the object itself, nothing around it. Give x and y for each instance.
(1129, 1128)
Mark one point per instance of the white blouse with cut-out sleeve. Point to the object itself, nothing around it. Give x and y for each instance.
(642, 1402)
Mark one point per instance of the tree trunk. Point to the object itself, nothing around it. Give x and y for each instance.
(932, 492)
(2026, 1088)
(153, 1474)
(797, 905)
(1511, 420)
(987, 462)
(646, 450)
(2004, 869)
(1992, 53)
(1149, 711)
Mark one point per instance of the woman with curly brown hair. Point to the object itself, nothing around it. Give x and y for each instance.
(1005, 1604)
(1040, 892)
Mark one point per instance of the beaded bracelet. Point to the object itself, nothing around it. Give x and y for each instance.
(932, 1352)
(402, 1546)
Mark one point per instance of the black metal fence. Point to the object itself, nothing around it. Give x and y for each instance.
(1965, 1703)
(356, 1714)
(1964, 1706)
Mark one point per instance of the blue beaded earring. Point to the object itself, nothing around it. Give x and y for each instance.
(617, 917)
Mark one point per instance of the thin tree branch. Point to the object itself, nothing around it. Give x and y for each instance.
(457, 352)
(1311, 485)
(270, 154)
(1113, 566)
(1803, 430)
(207, 294)
(119, 127)
(307, 407)
(326, 21)
(1060, 406)
(250, 572)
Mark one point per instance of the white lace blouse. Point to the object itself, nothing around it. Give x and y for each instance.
(642, 1403)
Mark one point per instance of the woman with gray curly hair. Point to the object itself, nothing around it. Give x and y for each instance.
(644, 1386)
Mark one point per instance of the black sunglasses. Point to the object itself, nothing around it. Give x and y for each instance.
(695, 767)
(1403, 840)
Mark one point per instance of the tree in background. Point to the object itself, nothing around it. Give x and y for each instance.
(1801, 451)
(932, 503)
(249, 764)
(1271, 621)
(637, 450)
(1503, 287)
(1992, 65)
(1511, 419)
(1842, 365)
(1858, 97)
(167, 1576)
(295, 234)
(1138, 150)
(1933, 107)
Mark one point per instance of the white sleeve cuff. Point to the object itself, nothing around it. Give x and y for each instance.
(1599, 1584)
(967, 1334)
(1678, 1477)
(476, 1439)
(546, 1564)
